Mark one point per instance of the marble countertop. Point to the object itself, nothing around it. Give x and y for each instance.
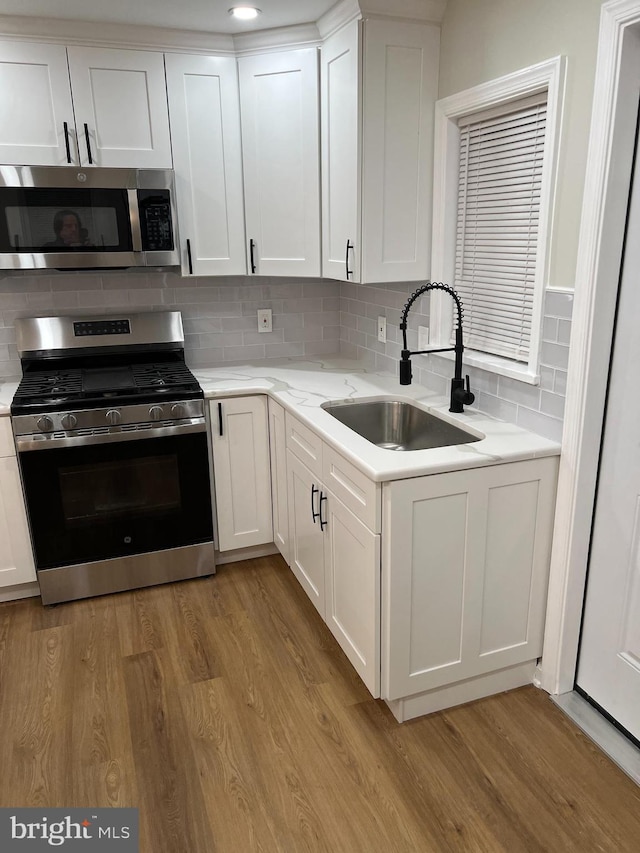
(302, 386)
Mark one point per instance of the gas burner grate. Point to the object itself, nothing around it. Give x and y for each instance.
(157, 376)
(50, 384)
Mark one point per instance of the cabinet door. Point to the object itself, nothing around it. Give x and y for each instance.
(279, 502)
(205, 135)
(352, 600)
(400, 91)
(279, 106)
(120, 103)
(465, 567)
(35, 104)
(242, 476)
(305, 535)
(340, 123)
(16, 558)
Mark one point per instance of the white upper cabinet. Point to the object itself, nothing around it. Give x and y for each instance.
(280, 149)
(35, 105)
(205, 131)
(379, 82)
(82, 106)
(120, 103)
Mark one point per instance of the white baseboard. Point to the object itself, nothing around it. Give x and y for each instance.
(19, 590)
(252, 553)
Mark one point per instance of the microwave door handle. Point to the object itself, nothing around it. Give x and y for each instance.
(134, 219)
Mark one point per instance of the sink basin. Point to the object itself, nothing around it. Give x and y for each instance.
(395, 425)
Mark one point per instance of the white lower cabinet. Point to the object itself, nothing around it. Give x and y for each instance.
(279, 500)
(464, 572)
(240, 442)
(16, 558)
(336, 559)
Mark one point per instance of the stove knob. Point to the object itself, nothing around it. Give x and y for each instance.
(113, 417)
(44, 423)
(155, 413)
(69, 421)
(178, 410)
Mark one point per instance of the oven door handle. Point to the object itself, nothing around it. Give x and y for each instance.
(28, 443)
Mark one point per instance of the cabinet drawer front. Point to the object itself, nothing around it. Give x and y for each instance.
(7, 447)
(304, 444)
(356, 491)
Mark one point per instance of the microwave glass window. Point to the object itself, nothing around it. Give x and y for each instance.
(36, 220)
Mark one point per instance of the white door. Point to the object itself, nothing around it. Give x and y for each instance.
(16, 558)
(205, 134)
(120, 103)
(35, 106)
(352, 573)
(609, 663)
(280, 149)
(340, 123)
(306, 545)
(242, 476)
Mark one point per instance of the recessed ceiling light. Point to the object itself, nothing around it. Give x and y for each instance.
(245, 13)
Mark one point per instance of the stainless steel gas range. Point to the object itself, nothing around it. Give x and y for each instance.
(110, 430)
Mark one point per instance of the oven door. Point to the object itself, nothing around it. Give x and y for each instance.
(92, 502)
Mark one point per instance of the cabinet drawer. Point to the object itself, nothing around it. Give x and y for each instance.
(356, 491)
(304, 444)
(7, 447)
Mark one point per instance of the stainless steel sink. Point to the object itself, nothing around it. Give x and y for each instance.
(396, 425)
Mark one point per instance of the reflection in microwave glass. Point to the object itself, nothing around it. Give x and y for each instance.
(107, 491)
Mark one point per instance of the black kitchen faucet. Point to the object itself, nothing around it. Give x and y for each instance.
(460, 396)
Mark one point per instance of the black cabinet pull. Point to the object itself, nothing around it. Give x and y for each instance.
(314, 514)
(220, 419)
(86, 136)
(323, 522)
(66, 141)
(252, 246)
(346, 257)
(189, 256)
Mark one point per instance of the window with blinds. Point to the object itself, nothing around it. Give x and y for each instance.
(501, 160)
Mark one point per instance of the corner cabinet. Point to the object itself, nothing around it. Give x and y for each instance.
(240, 443)
(280, 150)
(82, 106)
(279, 497)
(16, 558)
(205, 123)
(378, 87)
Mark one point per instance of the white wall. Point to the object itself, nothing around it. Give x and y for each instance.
(485, 39)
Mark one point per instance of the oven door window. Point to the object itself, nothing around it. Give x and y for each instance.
(64, 220)
(111, 500)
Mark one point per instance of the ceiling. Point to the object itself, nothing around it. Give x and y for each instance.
(201, 15)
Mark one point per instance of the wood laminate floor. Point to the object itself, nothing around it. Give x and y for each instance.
(223, 709)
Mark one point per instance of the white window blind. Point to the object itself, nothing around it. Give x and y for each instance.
(501, 160)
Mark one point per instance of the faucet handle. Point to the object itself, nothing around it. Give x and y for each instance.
(469, 396)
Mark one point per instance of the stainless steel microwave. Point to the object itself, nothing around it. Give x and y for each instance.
(59, 217)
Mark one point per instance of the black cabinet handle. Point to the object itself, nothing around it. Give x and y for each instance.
(314, 514)
(66, 141)
(346, 257)
(86, 136)
(323, 522)
(189, 256)
(252, 246)
(220, 428)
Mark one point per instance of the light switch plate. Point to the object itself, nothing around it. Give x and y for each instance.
(382, 330)
(265, 320)
(423, 337)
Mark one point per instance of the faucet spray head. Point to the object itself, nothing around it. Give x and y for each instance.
(405, 368)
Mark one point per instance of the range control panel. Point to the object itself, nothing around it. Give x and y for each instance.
(101, 327)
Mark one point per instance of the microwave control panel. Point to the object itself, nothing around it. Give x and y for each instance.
(155, 220)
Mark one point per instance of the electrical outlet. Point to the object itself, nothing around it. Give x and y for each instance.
(265, 320)
(382, 330)
(423, 337)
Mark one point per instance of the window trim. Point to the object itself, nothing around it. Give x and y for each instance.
(550, 76)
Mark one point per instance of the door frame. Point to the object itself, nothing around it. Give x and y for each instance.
(604, 210)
